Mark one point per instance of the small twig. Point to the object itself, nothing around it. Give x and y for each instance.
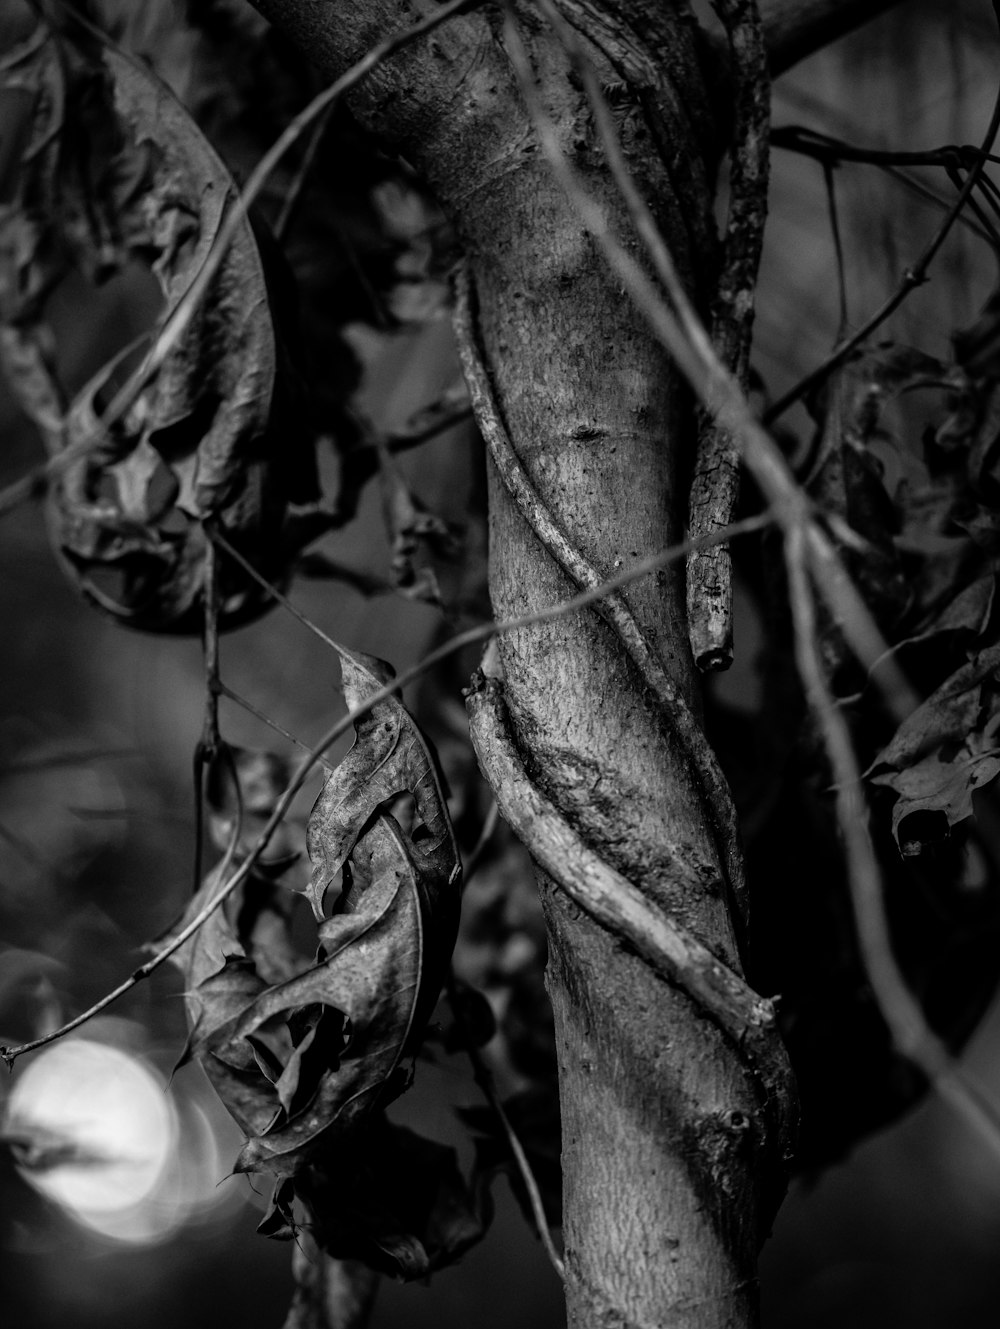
(484, 1079)
(216, 537)
(976, 208)
(832, 151)
(989, 192)
(838, 248)
(239, 700)
(464, 639)
(179, 319)
(936, 200)
(490, 823)
(856, 622)
(9, 1055)
(907, 1024)
(207, 748)
(913, 277)
(290, 203)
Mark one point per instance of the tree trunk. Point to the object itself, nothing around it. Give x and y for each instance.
(670, 1160)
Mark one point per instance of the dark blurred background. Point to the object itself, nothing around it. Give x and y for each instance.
(97, 728)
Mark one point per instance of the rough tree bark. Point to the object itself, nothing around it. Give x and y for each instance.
(671, 1158)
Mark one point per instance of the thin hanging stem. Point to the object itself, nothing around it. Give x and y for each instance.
(216, 537)
(207, 748)
(838, 248)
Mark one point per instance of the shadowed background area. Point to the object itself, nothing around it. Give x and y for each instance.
(115, 1206)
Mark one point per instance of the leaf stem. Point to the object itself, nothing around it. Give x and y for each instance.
(483, 1077)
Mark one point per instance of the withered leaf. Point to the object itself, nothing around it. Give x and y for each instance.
(220, 981)
(946, 750)
(301, 1058)
(370, 971)
(966, 612)
(384, 949)
(115, 171)
(241, 950)
(390, 759)
(395, 1200)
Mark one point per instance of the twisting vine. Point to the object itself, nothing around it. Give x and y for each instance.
(746, 1019)
(703, 765)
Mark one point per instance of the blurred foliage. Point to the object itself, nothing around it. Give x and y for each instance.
(353, 370)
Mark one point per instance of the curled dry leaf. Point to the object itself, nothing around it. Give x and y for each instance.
(113, 171)
(303, 1053)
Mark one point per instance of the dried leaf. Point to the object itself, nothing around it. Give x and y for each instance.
(396, 1201)
(944, 751)
(301, 1058)
(371, 973)
(390, 759)
(966, 612)
(114, 171)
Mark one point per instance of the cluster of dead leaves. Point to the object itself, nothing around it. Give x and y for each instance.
(114, 174)
(111, 175)
(910, 460)
(306, 1055)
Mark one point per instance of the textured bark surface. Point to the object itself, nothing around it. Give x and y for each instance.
(665, 1200)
